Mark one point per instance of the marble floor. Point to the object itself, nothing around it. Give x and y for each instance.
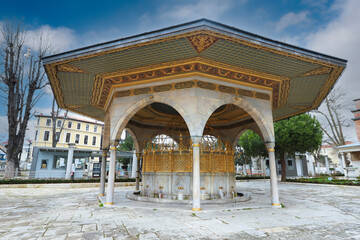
(310, 212)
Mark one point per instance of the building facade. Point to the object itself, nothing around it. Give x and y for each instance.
(85, 134)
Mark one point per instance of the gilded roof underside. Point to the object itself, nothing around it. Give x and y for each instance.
(298, 83)
(76, 87)
(138, 57)
(247, 57)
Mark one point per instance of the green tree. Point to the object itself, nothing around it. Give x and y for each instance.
(301, 133)
(126, 145)
(252, 144)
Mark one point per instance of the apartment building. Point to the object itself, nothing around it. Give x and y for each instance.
(85, 134)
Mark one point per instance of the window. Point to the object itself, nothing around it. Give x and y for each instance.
(78, 126)
(59, 162)
(69, 124)
(43, 164)
(95, 128)
(36, 134)
(80, 163)
(290, 165)
(77, 138)
(48, 122)
(38, 121)
(67, 137)
(59, 122)
(94, 141)
(87, 127)
(86, 140)
(57, 136)
(46, 136)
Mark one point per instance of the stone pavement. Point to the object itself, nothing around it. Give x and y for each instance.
(310, 212)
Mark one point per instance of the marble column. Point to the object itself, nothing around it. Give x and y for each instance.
(134, 165)
(311, 169)
(343, 164)
(69, 160)
(137, 183)
(327, 165)
(196, 174)
(299, 166)
(111, 176)
(273, 176)
(103, 173)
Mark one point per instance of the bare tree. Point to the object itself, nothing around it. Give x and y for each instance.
(22, 80)
(333, 121)
(54, 117)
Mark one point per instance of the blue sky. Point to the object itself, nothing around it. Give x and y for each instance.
(327, 26)
(94, 21)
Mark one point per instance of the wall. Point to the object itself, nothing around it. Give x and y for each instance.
(41, 128)
(50, 171)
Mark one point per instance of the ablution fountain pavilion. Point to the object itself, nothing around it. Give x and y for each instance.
(201, 84)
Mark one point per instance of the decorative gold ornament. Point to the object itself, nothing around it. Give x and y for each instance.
(202, 41)
(318, 71)
(123, 93)
(142, 91)
(206, 85)
(263, 96)
(69, 68)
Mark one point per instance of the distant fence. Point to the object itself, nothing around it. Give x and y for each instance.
(56, 174)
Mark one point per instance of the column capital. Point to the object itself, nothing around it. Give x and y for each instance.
(114, 143)
(196, 140)
(270, 146)
(105, 151)
(71, 145)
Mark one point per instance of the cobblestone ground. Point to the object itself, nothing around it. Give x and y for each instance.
(310, 212)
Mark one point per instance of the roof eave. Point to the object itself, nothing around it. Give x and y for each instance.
(186, 27)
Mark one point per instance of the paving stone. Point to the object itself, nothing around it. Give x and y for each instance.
(311, 212)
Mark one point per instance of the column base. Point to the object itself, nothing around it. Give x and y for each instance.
(100, 194)
(196, 209)
(109, 203)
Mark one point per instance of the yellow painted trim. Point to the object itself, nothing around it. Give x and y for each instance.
(100, 194)
(104, 154)
(196, 209)
(177, 76)
(196, 145)
(109, 203)
(113, 148)
(210, 122)
(194, 60)
(271, 150)
(276, 204)
(111, 94)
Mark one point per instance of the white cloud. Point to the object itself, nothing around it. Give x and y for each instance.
(61, 38)
(291, 19)
(212, 9)
(315, 4)
(341, 38)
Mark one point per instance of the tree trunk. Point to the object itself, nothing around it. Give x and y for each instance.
(10, 166)
(283, 167)
(20, 85)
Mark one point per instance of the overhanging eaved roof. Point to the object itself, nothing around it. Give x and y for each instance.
(299, 79)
